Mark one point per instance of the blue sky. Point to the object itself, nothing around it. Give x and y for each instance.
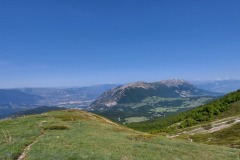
(84, 42)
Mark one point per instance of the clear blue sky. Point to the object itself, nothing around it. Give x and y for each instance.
(85, 42)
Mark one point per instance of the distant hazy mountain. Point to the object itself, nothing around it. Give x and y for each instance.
(143, 100)
(52, 96)
(16, 97)
(38, 110)
(15, 100)
(89, 92)
(222, 86)
(8, 110)
(78, 97)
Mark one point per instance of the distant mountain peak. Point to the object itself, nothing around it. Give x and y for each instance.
(139, 84)
(137, 91)
(175, 82)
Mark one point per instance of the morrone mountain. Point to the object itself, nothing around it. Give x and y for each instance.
(136, 100)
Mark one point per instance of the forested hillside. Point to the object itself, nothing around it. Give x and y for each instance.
(220, 108)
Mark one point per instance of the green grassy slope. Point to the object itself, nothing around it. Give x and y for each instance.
(221, 108)
(222, 131)
(79, 135)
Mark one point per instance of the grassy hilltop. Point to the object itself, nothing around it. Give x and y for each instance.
(72, 134)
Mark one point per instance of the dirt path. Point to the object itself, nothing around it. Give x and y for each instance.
(26, 150)
(108, 121)
(215, 126)
(102, 118)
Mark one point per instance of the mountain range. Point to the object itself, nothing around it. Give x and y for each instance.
(221, 86)
(140, 101)
(17, 97)
(13, 101)
(76, 134)
(20, 99)
(137, 91)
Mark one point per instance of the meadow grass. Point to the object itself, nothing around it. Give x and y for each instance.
(87, 136)
(16, 134)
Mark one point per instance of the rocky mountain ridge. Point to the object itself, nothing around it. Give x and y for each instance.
(136, 91)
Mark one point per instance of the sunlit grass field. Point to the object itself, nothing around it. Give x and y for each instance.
(74, 135)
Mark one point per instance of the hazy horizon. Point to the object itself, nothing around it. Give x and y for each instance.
(83, 43)
(123, 83)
